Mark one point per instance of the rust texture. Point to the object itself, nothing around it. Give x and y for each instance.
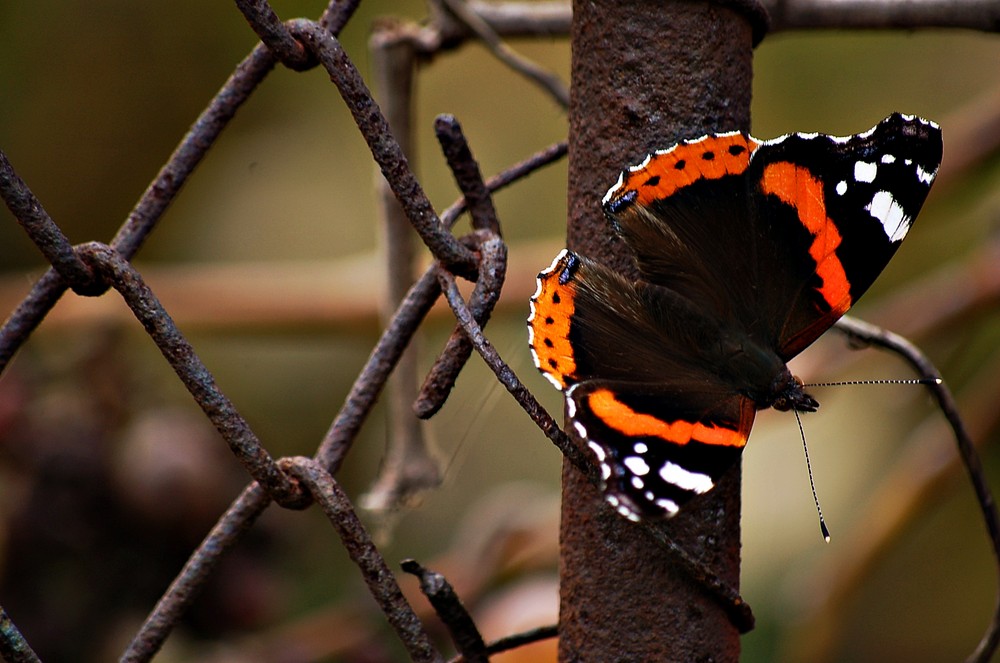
(645, 74)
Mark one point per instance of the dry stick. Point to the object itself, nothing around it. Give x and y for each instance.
(13, 647)
(729, 599)
(385, 149)
(546, 79)
(446, 603)
(225, 534)
(242, 441)
(380, 580)
(867, 333)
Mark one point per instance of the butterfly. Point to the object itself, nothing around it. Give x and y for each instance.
(747, 251)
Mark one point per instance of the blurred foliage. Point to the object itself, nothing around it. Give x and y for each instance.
(93, 98)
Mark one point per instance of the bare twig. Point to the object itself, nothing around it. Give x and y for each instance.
(450, 610)
(382, 584)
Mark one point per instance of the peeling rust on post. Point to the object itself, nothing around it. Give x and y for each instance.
(645, 74)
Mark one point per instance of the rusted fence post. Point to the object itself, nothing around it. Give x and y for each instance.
(644, 74)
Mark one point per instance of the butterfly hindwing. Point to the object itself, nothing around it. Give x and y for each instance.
(659, 445)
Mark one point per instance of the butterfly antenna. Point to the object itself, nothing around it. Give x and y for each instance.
(812, 483)
(865, 382)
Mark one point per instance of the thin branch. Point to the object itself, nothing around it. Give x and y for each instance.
(358, 544)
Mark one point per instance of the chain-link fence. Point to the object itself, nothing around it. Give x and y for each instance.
(479, 256)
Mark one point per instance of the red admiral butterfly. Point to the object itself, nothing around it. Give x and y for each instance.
(748, 250)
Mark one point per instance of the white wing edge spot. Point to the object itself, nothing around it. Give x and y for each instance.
(865, 171)
(636, 465)
(890, 214)
(685, 479)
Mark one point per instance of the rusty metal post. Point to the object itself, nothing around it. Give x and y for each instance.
(644, 74)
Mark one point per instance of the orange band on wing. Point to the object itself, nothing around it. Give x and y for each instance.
(552, 309)
(795, 186)
(710, 158)
(619, 416)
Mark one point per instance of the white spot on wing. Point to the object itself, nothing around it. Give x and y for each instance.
(640, 447)
(841, 187)
(598, 451)
(669, 506)
(636, 465)
(890, 214)
(888, 158)
(580, 429)
(685, 479)
(637, 483)
(864, 171)
(925, 176)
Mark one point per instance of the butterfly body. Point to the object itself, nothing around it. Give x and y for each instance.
(747, 251)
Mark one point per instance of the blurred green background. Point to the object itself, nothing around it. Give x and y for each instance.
(93, 98)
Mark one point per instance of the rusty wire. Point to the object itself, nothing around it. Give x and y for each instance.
(90, 269)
